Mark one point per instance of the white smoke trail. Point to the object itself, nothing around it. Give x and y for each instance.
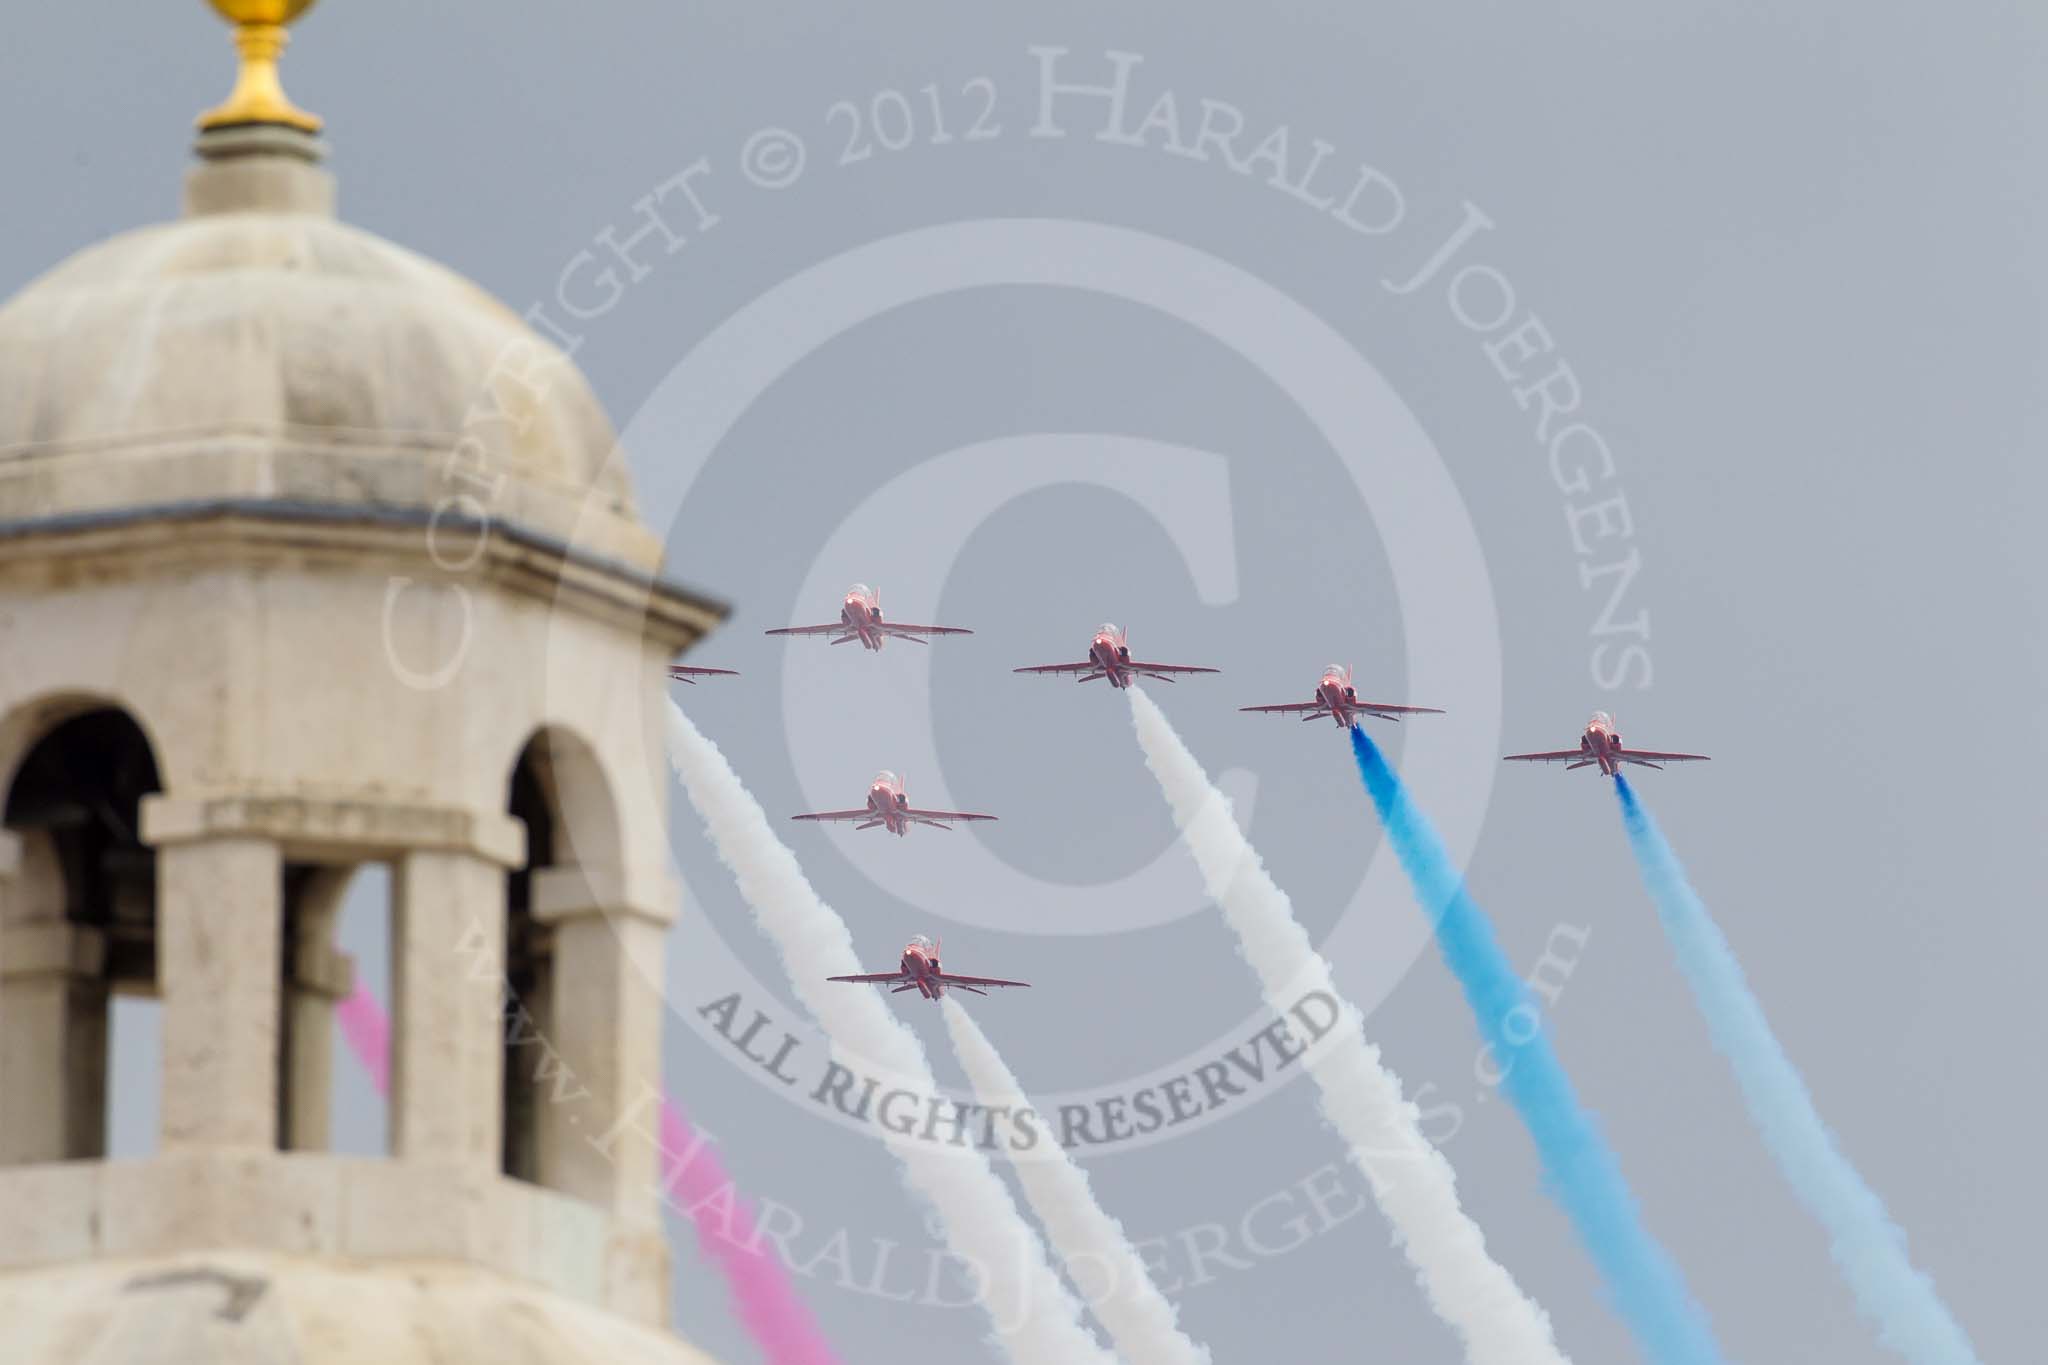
(1036, 1320)
(1142, 1322)
(1412, 1182)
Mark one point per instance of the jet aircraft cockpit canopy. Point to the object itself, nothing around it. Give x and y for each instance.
(1603, 720)
(921, 942)
(1335, 671)
(1109, 628)
(861, 590)
(885, 778)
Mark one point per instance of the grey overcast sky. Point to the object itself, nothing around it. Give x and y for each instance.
(1794, 257)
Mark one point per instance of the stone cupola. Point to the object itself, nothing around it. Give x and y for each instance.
(313, 557)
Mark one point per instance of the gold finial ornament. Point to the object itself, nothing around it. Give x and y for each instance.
(260, 36)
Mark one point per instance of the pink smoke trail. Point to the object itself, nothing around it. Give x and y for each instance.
(369, 1034)
(775, 1317)
(696, 1183)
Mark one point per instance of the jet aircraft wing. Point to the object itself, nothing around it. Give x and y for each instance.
(970, 982)
(912, 632)
(1089, 667)
(935, 815)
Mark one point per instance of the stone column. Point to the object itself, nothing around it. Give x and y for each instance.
(599, 1141)
(53, 1014)
(448, 968)
(316, 979)
(220, 920)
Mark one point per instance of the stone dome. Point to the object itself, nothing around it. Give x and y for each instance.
(257, 348)
(230, 448)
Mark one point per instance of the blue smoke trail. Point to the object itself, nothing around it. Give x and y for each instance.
(1580, 1171)
(1868, 1247)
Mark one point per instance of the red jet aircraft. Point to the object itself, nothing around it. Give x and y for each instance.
(890, 809)
(920, 972)
(1338, 699)
(1110, 657)
(688, 674)
(860, 618)
(1601, 745)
